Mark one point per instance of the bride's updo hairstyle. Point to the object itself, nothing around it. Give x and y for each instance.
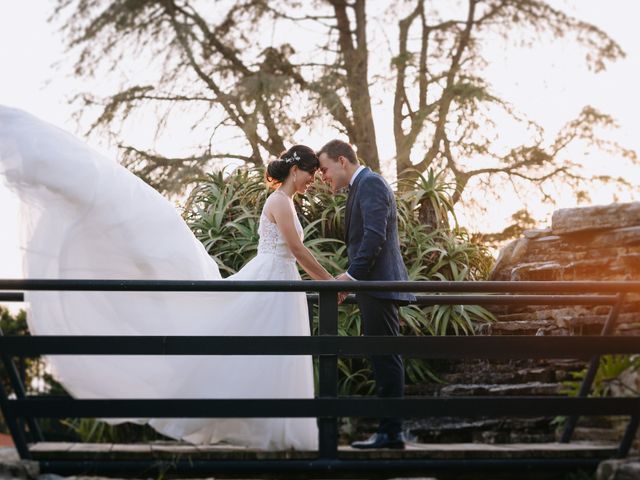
(299, 155)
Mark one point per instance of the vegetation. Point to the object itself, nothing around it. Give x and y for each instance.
(32, 371)
(614, 377)
(91, 430)
(224, 212)
(609, 379)
(260, 72)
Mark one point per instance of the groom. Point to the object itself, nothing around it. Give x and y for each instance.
(373, 247)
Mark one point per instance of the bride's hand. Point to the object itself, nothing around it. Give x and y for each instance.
(343, 277)
(341, 295)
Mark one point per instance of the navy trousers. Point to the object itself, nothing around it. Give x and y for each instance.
(380, 317)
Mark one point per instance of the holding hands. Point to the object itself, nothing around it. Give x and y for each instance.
(343, 277)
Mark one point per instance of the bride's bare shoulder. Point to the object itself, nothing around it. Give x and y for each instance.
(277, 203)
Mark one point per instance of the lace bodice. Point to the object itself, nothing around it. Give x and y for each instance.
(271, 241)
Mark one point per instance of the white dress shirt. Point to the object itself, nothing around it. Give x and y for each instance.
(355, 174)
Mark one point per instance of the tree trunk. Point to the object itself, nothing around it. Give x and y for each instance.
(365, 130)
(356, 65)
(427, 215)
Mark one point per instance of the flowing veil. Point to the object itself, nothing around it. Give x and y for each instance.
(87, 217)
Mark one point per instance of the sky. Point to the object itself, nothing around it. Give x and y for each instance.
(548, 81)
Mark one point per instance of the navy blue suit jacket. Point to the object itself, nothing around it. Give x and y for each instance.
(371, 234)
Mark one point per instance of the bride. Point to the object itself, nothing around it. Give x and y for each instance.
(86, 216)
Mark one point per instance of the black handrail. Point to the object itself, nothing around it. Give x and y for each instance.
(442, 299)
(18, 389)
(594, 364)
(324, 407)
(319, 286)
(448, 347)
(328, 346)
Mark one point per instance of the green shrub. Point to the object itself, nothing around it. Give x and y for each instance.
(608, 377)
(91, 430)
(224, 212)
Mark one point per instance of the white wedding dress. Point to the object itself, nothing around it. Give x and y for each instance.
(87, 217)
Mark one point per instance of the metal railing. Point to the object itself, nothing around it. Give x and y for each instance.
(22, 411)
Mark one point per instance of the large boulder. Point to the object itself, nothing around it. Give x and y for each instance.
(598, 217)
(588, 243)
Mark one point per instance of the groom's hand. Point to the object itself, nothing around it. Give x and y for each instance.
(343, 295)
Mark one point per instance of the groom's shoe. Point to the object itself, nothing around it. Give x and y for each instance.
(382, 440)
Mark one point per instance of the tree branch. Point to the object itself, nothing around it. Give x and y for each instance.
(447, 94)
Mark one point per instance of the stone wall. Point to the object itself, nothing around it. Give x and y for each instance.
(593, 243)
(590, 243)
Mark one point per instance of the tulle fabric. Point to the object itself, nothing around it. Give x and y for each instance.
(87, 217)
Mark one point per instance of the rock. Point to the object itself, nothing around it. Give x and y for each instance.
(594, 243)
(529, 388)
(480, 430)
(409, 478)
(12, 467)
(504, 259)
(590, 434)
(631, 261)
(620, 237)
(628, 383)
(599, 217)
(519, 250)
(619, 469)
(629, 471)
(549, 271)
(531, 234)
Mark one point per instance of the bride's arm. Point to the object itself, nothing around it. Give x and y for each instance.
(283, 217)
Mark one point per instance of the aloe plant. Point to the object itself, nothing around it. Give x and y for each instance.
(224, 211)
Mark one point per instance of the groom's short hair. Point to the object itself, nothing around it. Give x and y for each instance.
(335, 148)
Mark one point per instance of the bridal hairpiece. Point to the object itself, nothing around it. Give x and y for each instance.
(293, 158)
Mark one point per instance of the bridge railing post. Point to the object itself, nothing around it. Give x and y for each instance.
(594, 364)
(16, 430)
(16, 383)
(328, 374)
